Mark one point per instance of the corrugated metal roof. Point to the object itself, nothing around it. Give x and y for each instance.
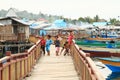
(21, 21)
(100, 23)
(16, 19)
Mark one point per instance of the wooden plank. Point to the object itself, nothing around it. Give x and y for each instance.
(5, 73)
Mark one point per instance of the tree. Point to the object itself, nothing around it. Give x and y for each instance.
(74, 21)
(113, 21)
(96, 18)
(88, 19)
(81, 19)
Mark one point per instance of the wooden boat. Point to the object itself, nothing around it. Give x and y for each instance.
(100, 52)
(105, 44)
(112, 63)
(102, 39)
(103, 69)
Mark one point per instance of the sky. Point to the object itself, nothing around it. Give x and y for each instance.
(68, 8)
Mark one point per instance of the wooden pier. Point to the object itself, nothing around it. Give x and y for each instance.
(54, 68)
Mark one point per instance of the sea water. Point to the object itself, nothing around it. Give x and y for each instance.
(114, 76)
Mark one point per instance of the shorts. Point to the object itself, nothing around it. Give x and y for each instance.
(42, 46)
(47, 48)
(57, 48)
(70, 43)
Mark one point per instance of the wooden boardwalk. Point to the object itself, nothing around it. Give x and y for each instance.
(54, 68)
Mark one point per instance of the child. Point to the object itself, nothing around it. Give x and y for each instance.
(42, 43)
(48, 43)
(66, 47)
(70, 38)
(57, 45)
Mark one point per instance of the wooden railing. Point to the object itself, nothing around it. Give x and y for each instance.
(84, 65)
(17, 66)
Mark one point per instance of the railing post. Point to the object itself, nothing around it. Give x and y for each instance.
(26, 64)
(1, 65)
(8, 53)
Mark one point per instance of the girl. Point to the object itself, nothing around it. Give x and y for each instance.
(57, 45)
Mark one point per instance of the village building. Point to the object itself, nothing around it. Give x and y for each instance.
(14, 34)
(13, 28)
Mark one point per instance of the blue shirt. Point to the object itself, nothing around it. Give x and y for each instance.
(48, 42)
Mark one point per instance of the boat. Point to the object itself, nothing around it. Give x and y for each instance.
(101, 39)
(104, 33)
(109, 71)
(95, 43)
(103, 69)
(104, 36)
(100, 52)
(113, 63)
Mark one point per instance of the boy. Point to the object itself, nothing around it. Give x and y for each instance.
(66, 47)
(48, 43)
(42, 43)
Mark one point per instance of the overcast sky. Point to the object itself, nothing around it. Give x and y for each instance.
(67, 8)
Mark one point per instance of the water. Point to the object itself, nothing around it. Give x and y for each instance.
(114, 76)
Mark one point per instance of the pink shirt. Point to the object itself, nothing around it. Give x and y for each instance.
(70, 39)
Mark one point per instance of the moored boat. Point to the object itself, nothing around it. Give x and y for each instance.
(112, 63)
(102, 39)
(101, 52)
(103, 69)
(94, 43)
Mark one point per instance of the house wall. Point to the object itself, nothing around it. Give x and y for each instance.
(6, 33)
(6, 29)
(15, 29)
(23, 31)
(27, 32)
(6, 22)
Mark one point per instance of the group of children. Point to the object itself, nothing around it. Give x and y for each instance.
(46, 44)
(57, 42)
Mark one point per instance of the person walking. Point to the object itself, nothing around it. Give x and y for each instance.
(70, 39)
(48, 43)
(57, 45)
(66, 47)
(42, 43)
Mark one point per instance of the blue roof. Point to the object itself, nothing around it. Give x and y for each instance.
(60, 23)
(33, 25)
(52, 27)
(100, 23)
(57, 24)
